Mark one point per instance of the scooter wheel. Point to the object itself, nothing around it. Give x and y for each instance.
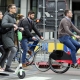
(21, 76)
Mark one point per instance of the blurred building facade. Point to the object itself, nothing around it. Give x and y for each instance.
(23, 6)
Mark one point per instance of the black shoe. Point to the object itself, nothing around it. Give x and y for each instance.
(8, 69)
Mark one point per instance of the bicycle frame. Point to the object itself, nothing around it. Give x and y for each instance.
(39, 47)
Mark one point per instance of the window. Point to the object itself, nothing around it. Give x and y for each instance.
(5, 3)
(2, 5)
(17, 3)
(34, 6)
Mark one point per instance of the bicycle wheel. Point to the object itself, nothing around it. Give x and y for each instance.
(41, 60)
(58, 67)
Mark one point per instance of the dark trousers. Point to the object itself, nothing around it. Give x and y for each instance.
(72, 44)
(3, 57)
(24, 44)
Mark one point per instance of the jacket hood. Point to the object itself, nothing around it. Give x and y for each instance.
(7, 13)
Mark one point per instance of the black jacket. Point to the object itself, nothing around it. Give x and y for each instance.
(0, 33)
(28, 27)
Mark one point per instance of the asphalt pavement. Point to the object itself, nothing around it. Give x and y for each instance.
(33, 74)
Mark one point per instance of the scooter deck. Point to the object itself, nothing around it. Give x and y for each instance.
(4, 73)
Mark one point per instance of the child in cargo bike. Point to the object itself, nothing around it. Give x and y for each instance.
(64, 34)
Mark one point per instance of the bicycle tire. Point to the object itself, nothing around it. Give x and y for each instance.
(56, 67)
(40, 62)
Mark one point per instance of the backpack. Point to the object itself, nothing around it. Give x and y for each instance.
(4, 30)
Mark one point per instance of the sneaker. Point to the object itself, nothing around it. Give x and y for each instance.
(24, 65)
(29, 52)
(75, 65)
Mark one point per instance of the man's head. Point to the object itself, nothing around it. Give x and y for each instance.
(12, 8)
(68, 13)
(31, 14)
(1, 15)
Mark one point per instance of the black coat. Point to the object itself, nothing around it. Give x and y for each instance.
(28, 27)
(8, 38)
(0, 33)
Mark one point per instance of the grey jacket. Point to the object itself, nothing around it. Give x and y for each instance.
(65, 28)
(7, 22)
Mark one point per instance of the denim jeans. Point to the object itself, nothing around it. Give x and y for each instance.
(24, 45)
(72, 44)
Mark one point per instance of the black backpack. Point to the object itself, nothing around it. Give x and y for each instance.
(4, 30)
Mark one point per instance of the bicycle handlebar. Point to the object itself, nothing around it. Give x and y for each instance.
(19, 29)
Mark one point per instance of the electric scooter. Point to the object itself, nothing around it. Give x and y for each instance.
(19, 71)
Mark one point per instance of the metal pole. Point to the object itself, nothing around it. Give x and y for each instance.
(44, 22)
(71, 4)
(55, 34)
(44, 18)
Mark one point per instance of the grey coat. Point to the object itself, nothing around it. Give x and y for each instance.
(8, 38)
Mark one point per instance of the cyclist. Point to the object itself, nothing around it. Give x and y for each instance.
(64, 34)
(28, 26)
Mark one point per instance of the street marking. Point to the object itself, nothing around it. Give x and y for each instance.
(36, 78)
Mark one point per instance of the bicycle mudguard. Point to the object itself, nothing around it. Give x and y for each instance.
(60, 55)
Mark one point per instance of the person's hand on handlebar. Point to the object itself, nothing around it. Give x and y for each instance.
(15, 27)
(76, 36)
(34, 38)
(21, 28)
(42, 38)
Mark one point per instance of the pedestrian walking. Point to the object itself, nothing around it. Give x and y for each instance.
(9, 22)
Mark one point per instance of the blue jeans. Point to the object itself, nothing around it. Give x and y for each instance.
(72, 44)
(24, 45)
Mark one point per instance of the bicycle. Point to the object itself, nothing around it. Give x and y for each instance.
(29, 58)
(60, 61)
(38, 57)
